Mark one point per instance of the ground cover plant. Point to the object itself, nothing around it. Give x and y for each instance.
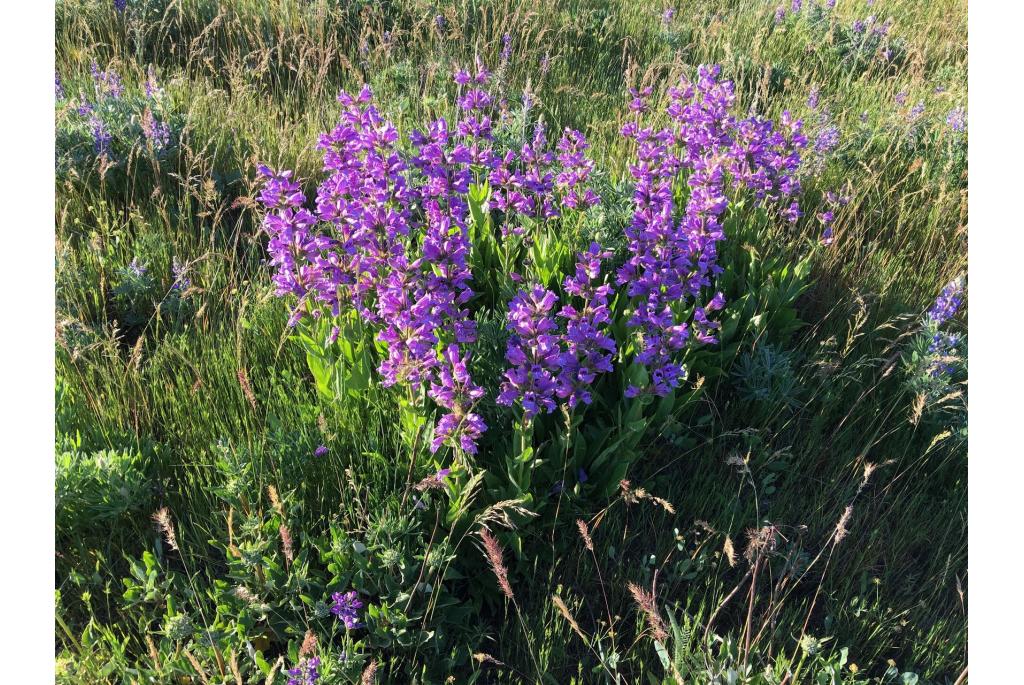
(540, 341)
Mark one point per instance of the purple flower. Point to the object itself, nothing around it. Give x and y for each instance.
(668, 15)
(120, 5)
(826, 236)
(827, 140)
(915, 112)
(440, 22)
(137, 267)
(320, 451)
(780, 14)
(58, 86)
(305, 673)
(957, 119)
(101, 136)
(533, 351)
(671, 261)
(589, 349)
(346, 607)
(795, 6)
(456, 392)
(901, 98)
(158, 133)
(812, 98)
(107, 83)
(947, 303)
(506, 49)
(153, 89)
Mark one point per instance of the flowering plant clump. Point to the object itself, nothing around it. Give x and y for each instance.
(937, 357)
(107, 122)
(409, 242)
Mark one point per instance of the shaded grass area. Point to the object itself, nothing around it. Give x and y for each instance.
(215, 402)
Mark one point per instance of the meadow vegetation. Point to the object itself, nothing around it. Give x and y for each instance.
(344, 395)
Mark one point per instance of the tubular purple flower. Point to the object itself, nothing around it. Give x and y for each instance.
(671, 261)
(589, 349)
(534, 351)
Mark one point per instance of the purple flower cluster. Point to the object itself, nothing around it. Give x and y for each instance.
(346, 607)
(833, 201)
(957, 119)
(547, 363)
(58, 86)
(153, 89)
(157, 132)
(107, 83)
(306, 673)
(812, 98)
(943, 345)
(534, 351)
(827, 139)
(671, 260)
(916, 112)
(947, 303)
(389, 237)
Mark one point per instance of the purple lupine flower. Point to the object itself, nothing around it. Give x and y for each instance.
(120, 5)
(101, 136)
(957, 119)
(153, 89)
(812, 98)
(795, 6)
(158, 133)
(827, 140)
(107, 83)
(534, 351)
(830, 4)
(58, 86)
(780, 14)
(939, 89)
(346, 607)
(915, 112)
(858, 26)
(137, 267)
(947, 303)
(320, 451)
(827, 237)
(668, 15)
(901, 98)
(440, 22)
(305, 673)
